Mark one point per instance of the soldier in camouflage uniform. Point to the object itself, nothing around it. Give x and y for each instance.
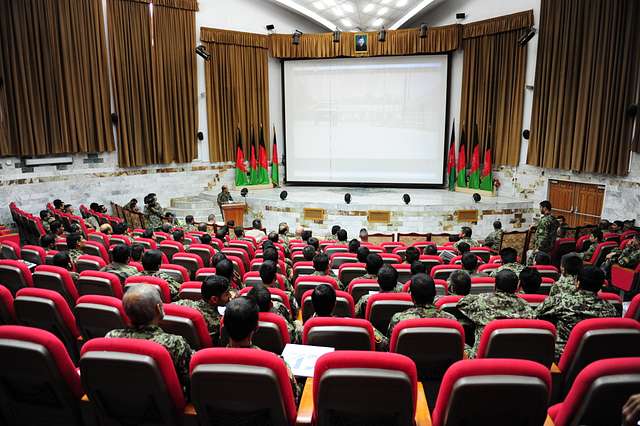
(423, 292)
(268, 275)
(465, 237)
(323, 300)
(333, 236)
(224, 197)
(494, 239)
(151, 261)
(189, 225)
(46, 219)
(546, 231)
(119, 266)
(153, 211)
(595, 238)
(283, 233)
(509, 258)
(132, 206)
(481, 309)
(373, 264)
(143, 306)
(566, 310)
(262, 297)
(321, 266)
(62, 260)
(240, 322)
(629, 257)
(215, 292)
(75, 244)
(342, 239)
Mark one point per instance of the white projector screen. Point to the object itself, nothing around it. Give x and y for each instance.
(366, 120)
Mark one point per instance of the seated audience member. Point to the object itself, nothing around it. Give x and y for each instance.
(321, 268)
(68, 209)
(481, 309)
(431, 250)
(211, 219)
(215, 293)
(308, 253)
(314, 242)
(262, 297)
(205, 239)
(364, 235)
(463, 248)
(224, 268)
(56, 228)
(238, 232)
(273, 237)
(202, 227)
(333, 236)
(470, 265)
(541, 258)
(221, 233)
(629, 257)
(75, 244)
(494, 239)
(271, 253)
(323, 299)
(62, 260)
(411, 255)
(388, 282)
(48, 242)
(570, 265)
(530, 281)
(151, 261)
(256, 231)
(354, 245)
(106, 228)
(373, 264)
(148, 233)
(143, 306)
(563, 226)
(166, 227)
(46, 219)
(283, 233)
(631, 411)
(465, 237)
(268, 275)
(178, 236)
(58, 204)
(566, 310)
(604, 225)
(595, 238)
(240, 322)
(170, 218)
(616, 227)
(418, 267)
(121, 229)
(230, 224)
(137, 250)
(189, 224)
(342, 237)
(362, 253)
(459, 283)
(305, 234)
(509, 257)
(120, 255)
(423, 292)
(132, 206)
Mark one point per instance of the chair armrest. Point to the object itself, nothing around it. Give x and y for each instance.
(548, 421)
(423, 418)
(305, 410)
(189, 416)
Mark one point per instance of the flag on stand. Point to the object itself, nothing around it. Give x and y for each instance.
(462, 161)
(253, 169)
(275, 172)
(263, 163)
(452, 159)
(241, 169)
(486, 177)
(474, 173)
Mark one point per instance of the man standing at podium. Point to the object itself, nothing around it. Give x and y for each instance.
(224, 197)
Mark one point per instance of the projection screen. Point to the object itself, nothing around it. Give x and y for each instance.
(366, 120)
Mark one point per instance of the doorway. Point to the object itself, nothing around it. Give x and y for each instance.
(580, 203)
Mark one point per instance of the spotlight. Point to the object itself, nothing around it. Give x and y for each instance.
(283, 195)
(202, 52)
(526, 134)
(347, 198)
(382, 35)
(423, 30)
(336, 36)
(477, 197)
(524, 39)
(295, 38)
(460, 16)
(406, 198)
(244, 192)
(200, 136)
(270, 28)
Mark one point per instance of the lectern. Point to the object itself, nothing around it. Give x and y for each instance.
(235, 212)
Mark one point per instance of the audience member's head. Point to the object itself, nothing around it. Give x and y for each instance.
(256, 224)
(44, 214)
(541, 258)
(270, 253)
(268, 271)
(283, 228)
(506, 281)
(217, 258)
(364, 235)
(321, 262)
(571, 264)
(136, 252)
(465, 232)
(166, 227)
(151, 260)
(273, 237)
(590, 278)
(189, 220)
(323, 299)
(309, 252)
(387, 278)
(56, 227)
(305, 235)
(48, 242)
(119, 228)
(224, 268)
(121, 253)
(469, 262)
(268, 244)
(205, 239)
(261, 296)
(75, 241)
(596, 236)
(497, 225)
(412, 254)
(143, 305)
(463, 248)
(133, 203)
(147, 233)
(221, 233)
(241, 320)
(215, 290)
(231, 223)
(431, 250)
(508, 255)
(423, 290)
(335, 229)
(604, 225)
(530, 280)
(58, 204)
(178, 236)
(362, 253)
(374, 263)
(106, 228)
(202, 227)
(314, 242)
(459, 283)
(616, 226)
(418, 267)
(62, 260)
(545, 207)
(354, 245)
(238, 232)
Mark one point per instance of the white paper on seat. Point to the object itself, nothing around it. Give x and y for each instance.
(302, 358)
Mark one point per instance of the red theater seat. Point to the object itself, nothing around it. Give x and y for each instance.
(272, 334)
(96, 249)
(101, 238)
(481, 285)
(276, 295)
(533, 300)
(10, 250)
(87, 262)
(339, 333)
(15, 275)
(159, 283)
(331, 249)
(489, 267)
(361, 286)
(601, 253)
(7, 313)
(429, 261)
(382, 306)
(188, 323)
(148, 243)
(484, 253)
(349, 271)
(389, 246)
(309, 282)
(203, 273)
(177, 272)
(442, 272)
(252, 278)
(302, 268)
(549, 271)
(256, 387)
(190, 290)
(170, 247)
(34, 254)
(99, 283)
(339, 258)
(633, 311)
(192, 262)
(56, 279)
(345, 307)
(404, 272)
(204, 251)
(38, 383)
(471, 388)
(97, 315)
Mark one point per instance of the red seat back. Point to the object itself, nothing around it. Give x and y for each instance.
(633, 311)
(177, 272)
(188, 323)
(96, 249)
(96, 315)
(382, 306)
(339, 333)
(57, 279)
(309, 282)
(159, 283)
(15, 275)
(34, 254)
(86, 262)
(7, 313)
(345, 306)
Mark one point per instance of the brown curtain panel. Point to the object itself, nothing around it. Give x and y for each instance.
(237, 84)
(55, 78)
(493, 84)
(586, 74)
(4, 131)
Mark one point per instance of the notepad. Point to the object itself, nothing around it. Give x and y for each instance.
(302, 358)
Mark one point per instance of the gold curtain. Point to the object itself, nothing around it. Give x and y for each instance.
(586, 75)
(493, 84)
(4, 131)
(55, 77)
(398, 42)
(237, 84)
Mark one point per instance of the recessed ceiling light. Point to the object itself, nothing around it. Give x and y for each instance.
(368, 8)
(346, 22)
(382, 11)
(319, 5)
(378, 22)
(347, 7)
(401, 3)
(337, 11)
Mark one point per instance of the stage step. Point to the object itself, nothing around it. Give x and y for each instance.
(199, 207)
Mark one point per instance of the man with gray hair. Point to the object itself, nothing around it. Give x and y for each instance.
(143, 306)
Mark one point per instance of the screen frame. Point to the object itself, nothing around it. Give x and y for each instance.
(368, 184)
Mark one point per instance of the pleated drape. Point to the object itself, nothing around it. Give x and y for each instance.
(587, 75)
(54, 86)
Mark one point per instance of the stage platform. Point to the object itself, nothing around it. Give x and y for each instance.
(377, 209)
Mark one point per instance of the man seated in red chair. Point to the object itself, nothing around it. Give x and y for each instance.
(151, 261)
(119, 265)
(323, 300)
(595, 238)
(262, 297)
(570, 266)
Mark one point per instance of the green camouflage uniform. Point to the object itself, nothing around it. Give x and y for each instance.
(189, 227)
(74, 276)
(566, 310)
(92, 222)
(153, 212)
(74, 254)
(546, 232)
(515, 267)
(588, 254)
(121, 270)
(629, 257)
(46, 225)
(493, 240)
(174, 286)
(481, 309)
(427, 311)
(369, 276)
(177, 346)
(293, 327)
(211, 316)
(470, 241)
(128, 207)
(566, 284)
(329, 274)
(382, 342)
(289, 292)
(284, 239)
(331, 237)
(223, 198)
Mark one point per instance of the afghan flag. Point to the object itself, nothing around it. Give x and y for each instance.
(253, 172)
(474, 173)
(263, 163)
(462, 161)
(486, 177)
(452, 159)
(275, 172)
(241, 169)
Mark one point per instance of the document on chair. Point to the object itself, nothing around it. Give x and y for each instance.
(302, 358)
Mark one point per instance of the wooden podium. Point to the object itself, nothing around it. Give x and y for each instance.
(235, 212)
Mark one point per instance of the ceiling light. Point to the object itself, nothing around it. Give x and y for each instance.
(401, 3)
(348, 7)
(378, 22)
(346, 22)
(319, 5)
(337, 11)
(368, 8)
(330, 3)
(382, 11)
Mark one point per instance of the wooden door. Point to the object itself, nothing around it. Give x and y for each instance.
(561, 195)
(580, 203)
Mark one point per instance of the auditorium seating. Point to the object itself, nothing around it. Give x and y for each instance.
(533, 300)
(204, 251)
(155, 398)
(190, 261)
(337, 259)
(188, 323)
(99, 283)
(96, 249)
(15, 275)
(87, 262)
(272, 334)
(175, 271)
(190, 290)
(97, 315)
(10, 250)
(361, 286)
(7, 313)
(38, 382)
(625, 279)
(442, 272)
(148, 243)
(56, 279)
(203, 273)
(345, 306)
(257, 389)
(302, 268)
(170, 247)
(348, 271)
(309, 282)
(548, 271)
(633, 311)
(489, 267)
(601, 252)
(382, 306)
(404, 272)
(339, 333)
(33, 254)
(252, 278)
(277, 294)
(481, 285)
(159, 283)
(101, 238)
